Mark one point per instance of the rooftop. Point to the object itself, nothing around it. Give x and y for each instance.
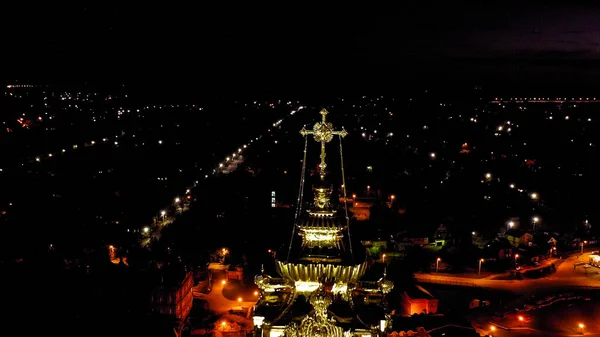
(418, 292)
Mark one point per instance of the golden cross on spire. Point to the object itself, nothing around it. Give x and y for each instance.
(323, 132)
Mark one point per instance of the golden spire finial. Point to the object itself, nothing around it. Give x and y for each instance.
(323, 132)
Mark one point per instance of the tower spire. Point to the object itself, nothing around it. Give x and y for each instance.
(323, 132)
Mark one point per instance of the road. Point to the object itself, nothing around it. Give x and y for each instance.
(565, 277)
(219, 303)
(231, 165)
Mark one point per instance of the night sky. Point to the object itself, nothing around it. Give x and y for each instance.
(165, 41)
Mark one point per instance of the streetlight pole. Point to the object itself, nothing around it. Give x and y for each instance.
(437, 264)
(516, 257)
(480, 261)
(510, 225)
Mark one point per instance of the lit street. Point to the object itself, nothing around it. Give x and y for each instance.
(217, 302)
(565, 277)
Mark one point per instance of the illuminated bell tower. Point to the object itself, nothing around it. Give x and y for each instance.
(322, 228)
(322, 270)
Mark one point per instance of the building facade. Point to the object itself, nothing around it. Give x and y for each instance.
(174, 298)
(419, 301)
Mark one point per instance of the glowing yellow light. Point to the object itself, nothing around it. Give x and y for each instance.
(239, 299)
(307, 286)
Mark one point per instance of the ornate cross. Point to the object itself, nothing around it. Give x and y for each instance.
(323, 132)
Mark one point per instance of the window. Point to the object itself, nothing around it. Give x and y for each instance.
(272, 204)
(272, 193)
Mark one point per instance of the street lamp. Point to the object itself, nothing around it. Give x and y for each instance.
(535, 221)
(582, 242)
(511, 224)
(521, 320)
(480, 261)
(581, 326)
(383, 258)
(177, 200)
(516, 257)
(437, 264)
